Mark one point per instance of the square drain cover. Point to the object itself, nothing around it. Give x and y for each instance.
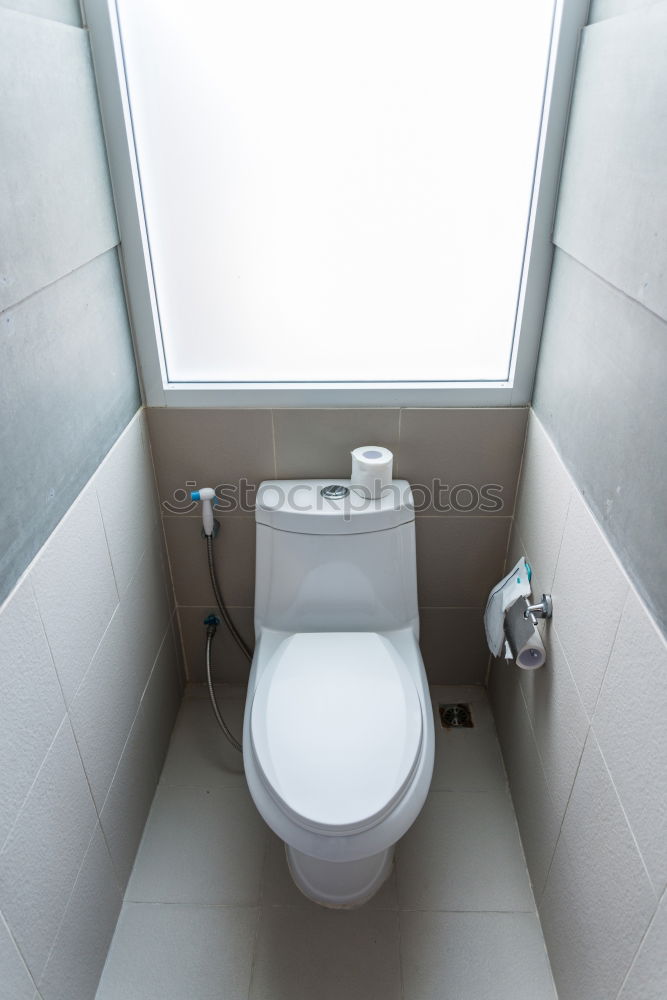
(456, 716)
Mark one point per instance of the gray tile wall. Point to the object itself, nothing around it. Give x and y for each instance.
(89, 668)
(90, 681)
(67, 374)
(585, 746)
(600, 10)
(583, 738)
(461, 537)
(601, 387)
(67, 11)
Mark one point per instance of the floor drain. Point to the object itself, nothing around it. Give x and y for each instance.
(455, 716)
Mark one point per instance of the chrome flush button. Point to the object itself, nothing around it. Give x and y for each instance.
(334, 492)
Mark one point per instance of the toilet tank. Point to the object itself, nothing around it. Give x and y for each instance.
(327, 563)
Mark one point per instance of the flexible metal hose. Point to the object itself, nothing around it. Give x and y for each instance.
(210, 632)
(224, 614)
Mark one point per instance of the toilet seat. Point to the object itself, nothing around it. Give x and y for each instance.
(336, 729)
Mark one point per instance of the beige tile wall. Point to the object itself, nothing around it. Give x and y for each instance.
(90, 682)
(460, 552)
(585, 746)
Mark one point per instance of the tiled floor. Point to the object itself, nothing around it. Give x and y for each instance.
(211, 913)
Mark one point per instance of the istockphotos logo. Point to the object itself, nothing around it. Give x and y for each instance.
(436, 497)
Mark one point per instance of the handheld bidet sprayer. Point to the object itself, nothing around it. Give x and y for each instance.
(207, 496)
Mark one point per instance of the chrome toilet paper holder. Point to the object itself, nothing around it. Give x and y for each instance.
(542, 610)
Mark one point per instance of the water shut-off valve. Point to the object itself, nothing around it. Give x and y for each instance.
(211, 622)
(207, 496)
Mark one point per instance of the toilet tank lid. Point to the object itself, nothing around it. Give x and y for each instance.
(298, 505)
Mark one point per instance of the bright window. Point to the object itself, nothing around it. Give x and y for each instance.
(335, 193)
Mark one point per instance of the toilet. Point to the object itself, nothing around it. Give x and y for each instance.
(338, 728)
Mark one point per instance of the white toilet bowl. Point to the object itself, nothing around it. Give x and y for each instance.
(338, 727)
(338, 742)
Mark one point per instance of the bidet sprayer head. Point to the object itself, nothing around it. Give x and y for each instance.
(206, 495)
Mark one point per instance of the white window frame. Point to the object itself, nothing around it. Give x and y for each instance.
(102, 22)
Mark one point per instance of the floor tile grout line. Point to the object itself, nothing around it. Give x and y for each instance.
(431, 909)
(399, 931)
(255, 942)
(419, 516)
(263, 907)
(306, 905)
(190, 903)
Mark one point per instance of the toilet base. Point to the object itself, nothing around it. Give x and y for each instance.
(339, 884)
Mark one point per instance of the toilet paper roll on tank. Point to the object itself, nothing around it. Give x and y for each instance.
(506, 625)
(372, 470)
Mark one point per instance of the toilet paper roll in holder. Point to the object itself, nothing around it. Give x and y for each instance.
(523, 642)
(542, 610)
